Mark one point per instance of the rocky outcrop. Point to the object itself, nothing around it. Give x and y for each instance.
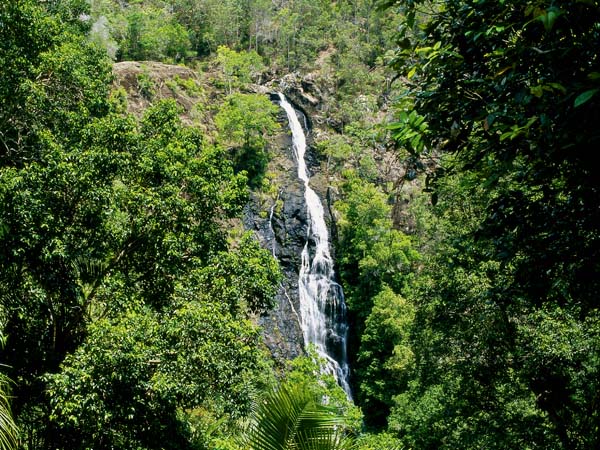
(279, 216)
(302, 91)
(148, 81)
(284, 232)
(280, 221)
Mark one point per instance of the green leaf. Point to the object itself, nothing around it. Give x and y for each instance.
(293, 418)
(536, 90)
(558, 87)
(549, 16)
(584, 97)
(423, 49)
(594, 76)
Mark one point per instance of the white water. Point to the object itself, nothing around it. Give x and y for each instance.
(322, 307)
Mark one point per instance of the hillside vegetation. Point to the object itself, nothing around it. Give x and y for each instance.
(456, 140)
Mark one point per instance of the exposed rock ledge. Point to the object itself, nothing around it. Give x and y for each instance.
(146, 81)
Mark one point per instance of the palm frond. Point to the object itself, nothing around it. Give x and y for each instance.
(329, 439)
(293, 418)
(8, 428)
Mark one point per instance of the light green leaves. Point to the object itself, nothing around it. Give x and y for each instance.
(245, 122)
(239, 68)
(539, 89)
(385, 358)
(8, 428)
(518, 130)
(293, 418)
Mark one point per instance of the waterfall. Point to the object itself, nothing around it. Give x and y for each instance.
(322, 306)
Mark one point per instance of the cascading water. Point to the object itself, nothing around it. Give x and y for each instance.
(322, 307)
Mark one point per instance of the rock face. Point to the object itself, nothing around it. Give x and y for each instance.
(148, 81)
(279, 218)
(284, 232)
(281, 224)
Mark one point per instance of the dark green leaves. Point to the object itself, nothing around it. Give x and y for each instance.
(106, 225)
(515, 234)
(549, 16)
(585, 97)
(410, 131)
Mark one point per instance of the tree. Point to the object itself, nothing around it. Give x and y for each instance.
(245, 277)
(385, 357)
(371, 252)
(95, 232)
(101, 215)
(506, 130)
(507, 92)
(376, 264)
(239, 68)
(136, 379)
(381, 441)
(244, 122)
(153, 34)
(50, 78)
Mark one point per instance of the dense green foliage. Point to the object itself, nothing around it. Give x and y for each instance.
(506, 334)
(308, 410)
(245, 121)
(129, 309)
(124, 305)
(288, 34)
(376, 262)
(130, 383)
(489, 339)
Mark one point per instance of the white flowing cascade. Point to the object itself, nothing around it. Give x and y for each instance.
(322, 307)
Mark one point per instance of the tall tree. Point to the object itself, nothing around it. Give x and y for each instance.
(508, 91)
(244, 122)
(105, 224)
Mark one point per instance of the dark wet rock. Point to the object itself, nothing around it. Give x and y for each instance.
(281, 224)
